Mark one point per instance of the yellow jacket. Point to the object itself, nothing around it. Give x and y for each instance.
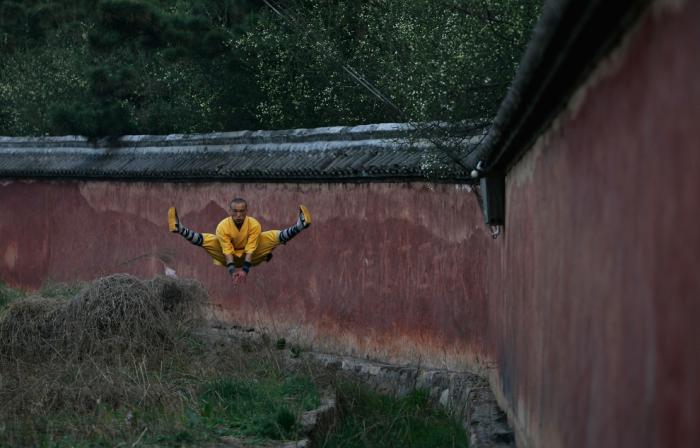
(238, 242)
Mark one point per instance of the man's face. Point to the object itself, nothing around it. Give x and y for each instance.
(238, 212)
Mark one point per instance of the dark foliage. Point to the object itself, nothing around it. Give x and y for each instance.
(107, 67)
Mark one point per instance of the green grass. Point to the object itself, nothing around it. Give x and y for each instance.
(370, 419)
(49, 289)
(8, 295)
(258, 408)
(59, 290)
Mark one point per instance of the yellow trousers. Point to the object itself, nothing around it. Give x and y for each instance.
(267, 241)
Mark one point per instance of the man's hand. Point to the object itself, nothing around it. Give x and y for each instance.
(239, 277)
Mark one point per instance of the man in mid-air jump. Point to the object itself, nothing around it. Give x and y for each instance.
(239, 242)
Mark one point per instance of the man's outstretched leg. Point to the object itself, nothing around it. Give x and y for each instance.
(303, 221)
(207, 241)
(174, 226)
(270, 239)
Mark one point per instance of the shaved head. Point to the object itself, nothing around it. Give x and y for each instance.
(238, 201)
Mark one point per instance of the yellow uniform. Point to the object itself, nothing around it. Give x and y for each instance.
(229, 240)
(249, 239)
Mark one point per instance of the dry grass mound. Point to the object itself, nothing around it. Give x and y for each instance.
(112, 316)
(28, 328)
(181, 299)
(114, 342)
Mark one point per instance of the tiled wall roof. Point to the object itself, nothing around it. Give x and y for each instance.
(380, 151)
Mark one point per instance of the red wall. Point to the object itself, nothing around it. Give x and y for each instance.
(390, 270)
(594, 311)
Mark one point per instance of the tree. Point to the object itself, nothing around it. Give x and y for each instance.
(106, 67)
(446, 60)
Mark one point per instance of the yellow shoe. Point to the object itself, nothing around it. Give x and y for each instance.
(305, 216)
(173, 222)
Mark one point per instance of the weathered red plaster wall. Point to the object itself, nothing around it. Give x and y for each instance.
(595, 296)
(389, 270)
